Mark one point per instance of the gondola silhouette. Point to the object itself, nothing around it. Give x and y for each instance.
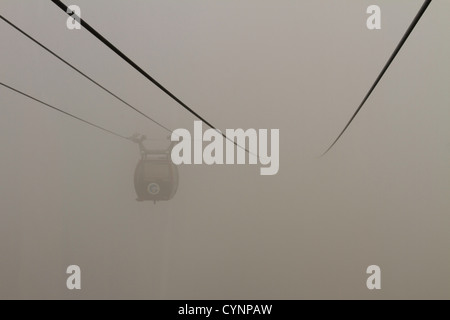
(156, 177)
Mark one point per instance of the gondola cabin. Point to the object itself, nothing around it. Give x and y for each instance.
(156, 177)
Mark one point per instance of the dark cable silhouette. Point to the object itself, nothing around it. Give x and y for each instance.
(386, 67)
(96, 34)
(83, 74)
(64, 112)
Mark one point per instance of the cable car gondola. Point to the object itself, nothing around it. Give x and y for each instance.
(156, 177)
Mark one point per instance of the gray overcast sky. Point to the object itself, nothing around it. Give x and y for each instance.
(380, 197)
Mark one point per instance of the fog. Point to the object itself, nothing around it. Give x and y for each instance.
(380, 197)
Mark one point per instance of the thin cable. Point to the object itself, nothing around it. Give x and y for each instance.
(386, 67)
(96, 34)
(65, 112)
(83, 74)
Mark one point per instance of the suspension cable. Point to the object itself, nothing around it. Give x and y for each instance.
(107, 43)
(64, 112)
(386, 67)
(83, 74)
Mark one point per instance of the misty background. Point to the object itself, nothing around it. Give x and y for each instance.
(381, 196)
